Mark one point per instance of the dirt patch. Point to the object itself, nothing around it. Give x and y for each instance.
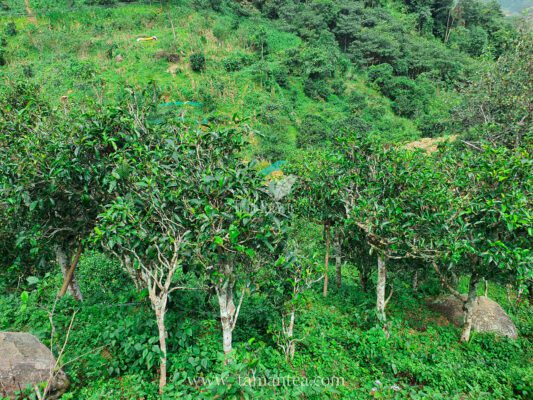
(29, 11)
(173, 68)
(170, 57)
(429, 144)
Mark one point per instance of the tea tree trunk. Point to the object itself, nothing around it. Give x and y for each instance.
(468, 308)
(68, 267)
(327, 238)
(227, 313)
(159, 305)
(364, 277)
(288, 330)
(415, 281)
(380, 289)
(338, 260)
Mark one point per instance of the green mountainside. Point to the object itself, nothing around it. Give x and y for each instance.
(299, 71)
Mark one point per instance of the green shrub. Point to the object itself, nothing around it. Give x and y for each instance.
(380, 74)
(207, 4)
(317, 89)
(270, 113)
(357, 101)
(258, 41)
(11, 29)
(281, 75)
(350, 125)
(275, 142)
(338, 86)
(82, 71)
(27, 70)
(207, 98)
(313, 131)
(197, 62)
(236, 62)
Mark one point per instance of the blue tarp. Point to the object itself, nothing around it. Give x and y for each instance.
(272, 167)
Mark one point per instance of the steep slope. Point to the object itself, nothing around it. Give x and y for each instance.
(92, 52)
(299, 71)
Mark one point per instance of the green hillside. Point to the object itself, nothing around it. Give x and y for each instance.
(254, 67)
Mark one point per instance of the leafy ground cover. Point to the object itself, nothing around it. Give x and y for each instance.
(113, 335)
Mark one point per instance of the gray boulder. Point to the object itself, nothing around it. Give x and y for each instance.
(488, 315)
(24, 361)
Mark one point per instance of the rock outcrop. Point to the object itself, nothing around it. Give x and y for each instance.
(24, 361)
(488, 316)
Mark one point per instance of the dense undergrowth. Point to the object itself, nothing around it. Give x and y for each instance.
(112, 349)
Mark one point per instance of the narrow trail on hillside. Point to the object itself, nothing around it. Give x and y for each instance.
(29, 11)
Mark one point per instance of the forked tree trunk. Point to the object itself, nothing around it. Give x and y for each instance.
(338, 260)
(380, 289)
(290, 347)
(327, 237)
(68, 267)
(468, 308)
(159, 300)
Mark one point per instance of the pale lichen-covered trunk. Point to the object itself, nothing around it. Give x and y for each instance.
(327, 237)
(468, 308)
(338, 260)
(288, 342)
(227, 313)
(63, 258)
(290, 333)
(160, 310)
(380, 289)
(158, 295)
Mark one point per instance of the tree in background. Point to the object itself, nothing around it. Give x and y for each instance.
(318, 197)
(497, 106)
(392, 198)
(294, 275)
